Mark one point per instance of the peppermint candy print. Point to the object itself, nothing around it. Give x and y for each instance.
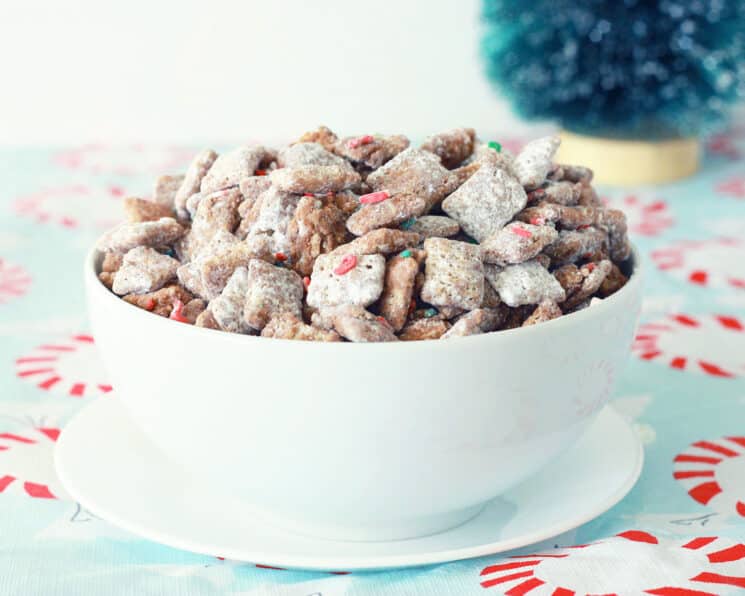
(631, 563)
(708, 344)
(713, 473)
(73, 207)
(732, 187)
(125, 160)
(70, 367)
(723, 145)
(644, 217)
(14, 281)
(709, 263)
(26, 463)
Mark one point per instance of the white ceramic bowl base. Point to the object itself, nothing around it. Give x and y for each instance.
(363, 441)
(107, 464)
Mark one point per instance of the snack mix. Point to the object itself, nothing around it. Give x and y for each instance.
(369, 239)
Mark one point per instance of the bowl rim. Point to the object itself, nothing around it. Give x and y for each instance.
(94, 285)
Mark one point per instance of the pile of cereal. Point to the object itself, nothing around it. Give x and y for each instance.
(369, 239)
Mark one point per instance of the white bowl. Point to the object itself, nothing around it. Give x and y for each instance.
(363, 441)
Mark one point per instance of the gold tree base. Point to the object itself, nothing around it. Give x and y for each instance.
(621, 162)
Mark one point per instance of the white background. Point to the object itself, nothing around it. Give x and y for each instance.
(189, 71)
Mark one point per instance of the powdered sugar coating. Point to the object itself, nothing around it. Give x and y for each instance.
(227, 308)
(390, 212)
(525, 283)
(383, 241)
(398, 289)
(143, 270)
(476, 322)
(361, 286)
(230, 168)
(137, 210)
(274, 211)
(435, 226)
(314, 179)
(485, 202)
(516, 243)
(288, 326)
(165, 189)
(126, 236)
(454, 274)
(309, 154)
(573, 244)
(356, 324)
(271, 291)
(374, 153)
(317, 227)
(192, 180)
(452, 146)
(421, 329)
(545, 311)
(535, 161)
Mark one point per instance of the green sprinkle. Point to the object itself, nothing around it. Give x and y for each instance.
(405, 254)
(496, 146)
(408, 223)
(430, 312)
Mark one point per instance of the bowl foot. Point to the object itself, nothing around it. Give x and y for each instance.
(369, 531)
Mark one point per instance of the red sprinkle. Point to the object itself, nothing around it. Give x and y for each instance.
(537, 221)
(363, 140)
(590, 267)
(177, 312)
(587, 255)
(280, 256)
(583, 227)
(308, 194)
(306, 282)
(330, 194)
(348, 263)
(150, 304)
(260, 172)
(521, 232)
(383, 320)
(412, 306)
(374, 197)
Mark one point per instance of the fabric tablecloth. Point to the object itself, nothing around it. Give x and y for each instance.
(680, 532)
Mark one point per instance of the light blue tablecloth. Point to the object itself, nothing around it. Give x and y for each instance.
(677, 533)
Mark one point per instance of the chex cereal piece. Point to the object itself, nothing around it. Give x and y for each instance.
(317, 227)
(207, 274)
(272, 215)
(398, 289)
(517, 242)
(535, 161)
(126, 236)
(454, 274)
(193, 179)
(592, 275)
(309, 154)
(162, 301)
(193, 309)
(563, 193)
(540, 214)
(346, 279)
(588, 196)
(574, 244)
(421, 329)
(252, 186)
(485, 202)
(371, 151)
(613, 282)
(144, 270)
(414, 172)
(227, 308)
(356, 324)
(433, 226)
(165, 189)
(452, 146)
(216, 213)
(545, 311)
(614, 222)
(491, 298)
(569, 277)
(271, 291)
(484, 155)
(392, 211)
(137, 210)
(322, 135)
(109, 266)
(288, 326)
(579, 174)
(207, 320)
(381, 241)
(230, 168)
(314, 179)
(347, 201)
(480, 320)
(525, 283)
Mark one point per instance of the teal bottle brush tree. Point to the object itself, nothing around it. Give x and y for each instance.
(633, 83)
